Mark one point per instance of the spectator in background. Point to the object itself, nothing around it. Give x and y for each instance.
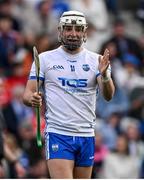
(10, 165)
(46, 21)
(136, 145)
(23, 61)
(120, 102)
(1, 135)
(24, 12)
(42, 42)
(32, 3)
(91, 36)
(6, 9)
(142, 170)
(123, 42)
(101, 152)
(112, 6)
(120, 164)
(130, 75)
(95, 12)
(6, 154)
(95, 37)
(16, 112)
(36, 161)
(11, 113)
(8, 44)
(141, 44)
(13, 154)
(60, 6)
(21, 111)
(97, 16)
(137, 105)
(110, 130)
(37, 18)
(140, 11)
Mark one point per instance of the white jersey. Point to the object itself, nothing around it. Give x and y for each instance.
(70, 91)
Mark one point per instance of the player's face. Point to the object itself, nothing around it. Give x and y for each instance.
(72, 36)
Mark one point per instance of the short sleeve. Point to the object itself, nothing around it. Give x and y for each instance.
(42, 69)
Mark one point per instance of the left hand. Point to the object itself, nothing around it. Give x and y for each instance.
(104, 62)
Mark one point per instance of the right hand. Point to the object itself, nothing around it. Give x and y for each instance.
(36, 99)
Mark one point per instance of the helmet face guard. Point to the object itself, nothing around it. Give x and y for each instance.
(72, 19)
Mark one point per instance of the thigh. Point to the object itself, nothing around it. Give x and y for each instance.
(85, 154)
(59, 146)
(82, 172)
(59, 155)
(60, 168)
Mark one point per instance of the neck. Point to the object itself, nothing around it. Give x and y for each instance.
(72, 52)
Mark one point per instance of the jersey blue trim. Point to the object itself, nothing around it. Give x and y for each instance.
(34, 78)
(109, 69)
(98, 74)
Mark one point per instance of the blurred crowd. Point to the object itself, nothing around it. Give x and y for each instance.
(114, 24)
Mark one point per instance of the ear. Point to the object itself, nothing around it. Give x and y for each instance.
(85, 37)
(59, 37)
(59, 28)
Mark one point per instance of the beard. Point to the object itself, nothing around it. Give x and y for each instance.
(71, 44)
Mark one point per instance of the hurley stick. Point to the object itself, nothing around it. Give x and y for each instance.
(37, 67)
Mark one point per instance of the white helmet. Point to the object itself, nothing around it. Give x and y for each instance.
(73, 17)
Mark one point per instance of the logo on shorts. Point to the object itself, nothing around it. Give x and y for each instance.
(91, 157)
(55, 147)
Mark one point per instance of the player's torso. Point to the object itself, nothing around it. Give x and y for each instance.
(69, 72)
(70, 88)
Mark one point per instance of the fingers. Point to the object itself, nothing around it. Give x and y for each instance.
(106, 52)
(37, 95)
(100, 58)
(106, 55)
(105, 58)
(36, 99)
(104, 62)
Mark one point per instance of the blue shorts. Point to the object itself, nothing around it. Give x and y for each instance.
(79, 149)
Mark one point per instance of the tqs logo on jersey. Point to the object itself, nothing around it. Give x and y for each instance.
(73, 82)
(55, 147)
(85, 67)
(55, 67)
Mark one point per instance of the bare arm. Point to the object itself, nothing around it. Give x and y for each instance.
(105, 81)
(31, 97)
(107, 88)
